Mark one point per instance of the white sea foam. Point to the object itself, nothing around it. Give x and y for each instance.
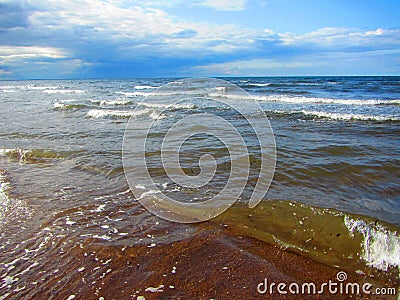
(20, 153)
(220, 89)
(133, 94)
(64, 91)
(69, 100)
(155, 94)
(380, 246)
(167, 106)
(9, 91)
(59, 105)
(345, 116)
(116, 102)
(259, 84)
(13, 86)
(10, 208)
(49, 87)
(336, 116)
(156, 116)
(68, 104)
(233, 96)
(102, 113)
(17, 88)
(4, 188)
(145, 87)
(300, 100)
(314, 100)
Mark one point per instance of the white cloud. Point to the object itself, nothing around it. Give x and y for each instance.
(226, 5)
(119, 31)
(20, 52)
(221, 5)
(127, 27)
(333, 36)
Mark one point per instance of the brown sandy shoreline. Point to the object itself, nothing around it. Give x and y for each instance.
(214, 264)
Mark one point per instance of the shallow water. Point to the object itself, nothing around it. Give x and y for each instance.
(63, 192)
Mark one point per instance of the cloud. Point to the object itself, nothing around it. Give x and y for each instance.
(13, 14)
(109, 32)
(38, 69)
(333, 37)
(138, 37)
(9, 53)
(226, 5)
(30, 52)
(92, 20)
(220, 5)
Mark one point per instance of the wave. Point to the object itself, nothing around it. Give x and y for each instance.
(349, 117)
(335, 116)
(351, 242)
(13, 86)
(48, 87)
(9, 91)
(220, 89)
(155, 94)
(144, 87)
(300, 100)
(167, 106)
(149, 108)
(258, 84)
(109, 113)
(117, 102)
(380, 246)
(133, 94)
(68, 105)
(17, 88)
(314, 100)
(34, 155)
(74, 104)
(55, 91)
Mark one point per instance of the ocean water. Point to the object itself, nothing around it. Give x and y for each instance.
(63, 189)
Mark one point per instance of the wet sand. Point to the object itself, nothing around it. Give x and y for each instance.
(214, 264)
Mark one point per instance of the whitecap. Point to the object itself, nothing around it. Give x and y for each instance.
(133, 94)
(348, 117)
(380, 246)
(259, 84)
(102, 113)
(144, 87)
(313, 100)
(116, 102)
(316, 100)
(64, 91)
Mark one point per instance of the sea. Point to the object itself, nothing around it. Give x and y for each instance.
(334, 196)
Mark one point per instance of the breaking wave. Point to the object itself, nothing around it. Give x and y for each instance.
(311, 114)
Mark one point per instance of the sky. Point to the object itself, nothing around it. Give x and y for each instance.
(53, 39)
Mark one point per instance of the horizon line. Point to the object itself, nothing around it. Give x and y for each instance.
(183, 77)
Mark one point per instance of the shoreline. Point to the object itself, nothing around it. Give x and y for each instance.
(213, 264)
